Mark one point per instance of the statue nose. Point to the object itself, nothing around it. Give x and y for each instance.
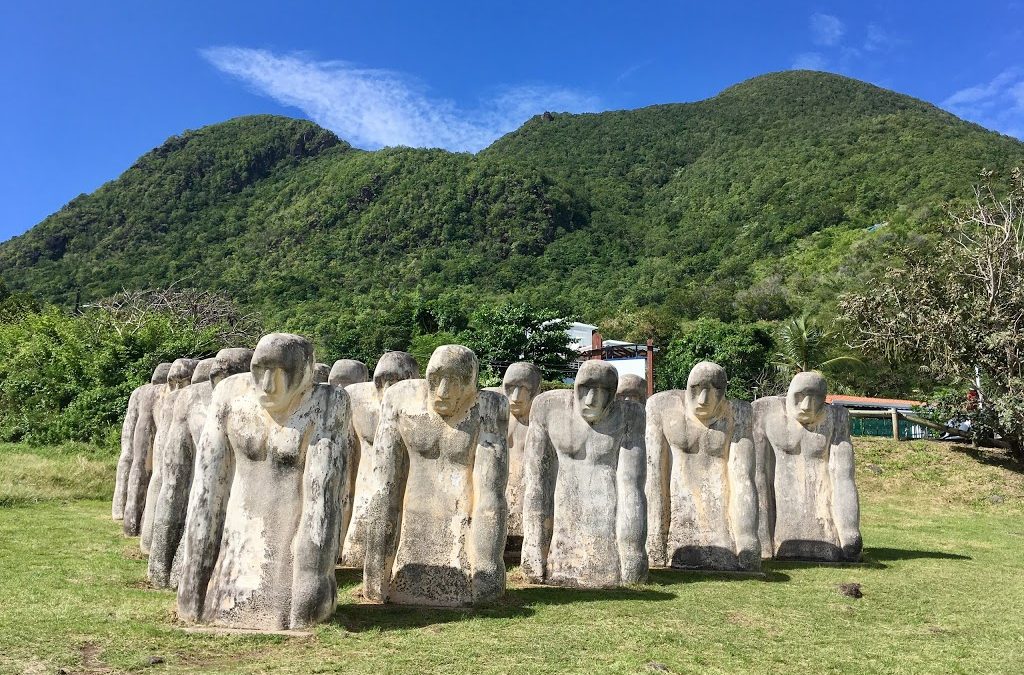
(268, 382)
(442, 389)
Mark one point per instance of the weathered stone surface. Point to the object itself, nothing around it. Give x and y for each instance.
(366, 400)
(262, 533)
(179, 377)
(321, 373)
(437, 523)
(584, 511)
(808, 500)
(701, 493)
(632, 388)
(520, 386)
(131, 419)
(178, 459)
(141, 467)
(349, 371)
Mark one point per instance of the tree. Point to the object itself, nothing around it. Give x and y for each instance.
(961, 310)
(804, 345)
(744, 350)
(509, 332)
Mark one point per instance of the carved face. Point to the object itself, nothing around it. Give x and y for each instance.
(230, 361)
(632, 388)
(451, 379)
(347, 371)
(805, 400)
(282, 369)
(180, 374)
(160, 374)
(521, 384)
(595, 388)
(705, 391)
(394, 367)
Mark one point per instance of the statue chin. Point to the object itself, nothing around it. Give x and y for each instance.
(592, 414)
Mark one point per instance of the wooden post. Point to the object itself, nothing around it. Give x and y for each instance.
(895, 424)
(650, 367)
(596, 346)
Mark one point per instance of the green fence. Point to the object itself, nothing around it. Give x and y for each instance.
(878, 426)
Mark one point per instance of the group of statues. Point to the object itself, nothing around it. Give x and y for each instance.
(249, 476)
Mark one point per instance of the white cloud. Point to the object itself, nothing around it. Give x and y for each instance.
(826, 30)
(997, 104)
(375, 108)
(810, 61)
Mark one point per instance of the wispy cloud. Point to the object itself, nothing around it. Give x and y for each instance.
(997, 104)
(375, 108)
(810, 61)
(826, 30)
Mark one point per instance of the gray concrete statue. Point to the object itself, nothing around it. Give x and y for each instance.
(809, 504)
(349, 371)
(632, 388)
(584, 511)
(178, 460)
(131, 419)
(437, 522)
(701, 492)
(262, 533)
(178, 379)
(521, 385)
(144, 439)
(366, 399)
(321, 373)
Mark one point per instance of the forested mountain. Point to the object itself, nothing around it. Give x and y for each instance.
(754, 204)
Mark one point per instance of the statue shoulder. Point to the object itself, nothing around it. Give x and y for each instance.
(664, 400)
(556, 401)
(361, 391)
(405, 393)
(769, 404)
(233, 387)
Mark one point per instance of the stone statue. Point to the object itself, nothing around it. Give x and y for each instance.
(178, 460)
(131, 419)
(520, 386)
(701, 493)
(366, 400)
(262, 533)
(808, 497)
(632, 388)
(150, 408)
(321, 373)
(178, 378)
(584, 511)
(437, 522)
(349, 371)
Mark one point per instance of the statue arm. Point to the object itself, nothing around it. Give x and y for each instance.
(124, 462)
(743, 490)
(384, 512)
(316, 543)
(540, 468)
(845, 504)
(139, 474)
(177, 461)
(764, 479)
(659, 468)
(207, 504)
(348, 493)
(490, 509)
(631, 511)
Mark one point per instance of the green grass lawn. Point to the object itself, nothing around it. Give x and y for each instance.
(943, 588)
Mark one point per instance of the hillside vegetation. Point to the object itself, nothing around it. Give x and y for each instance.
(752, 205)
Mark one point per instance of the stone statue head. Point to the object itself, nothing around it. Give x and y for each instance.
(202, 371)
(451, 379)
(180, 374)
(805, 400)
(230, 361)
(521, 384)
(160, 373)
(632, 388)
(705, 391)
(393, 367)
(321, 373)
(348, 371)
(282, 370)
(596, 384)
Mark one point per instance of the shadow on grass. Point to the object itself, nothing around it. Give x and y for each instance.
(518, 602)
(992, 456)
(866, 563)
(667, 576)
(906, 554)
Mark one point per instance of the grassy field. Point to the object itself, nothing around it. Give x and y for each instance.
(943, 586)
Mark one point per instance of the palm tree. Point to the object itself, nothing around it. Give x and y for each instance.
(804, 345)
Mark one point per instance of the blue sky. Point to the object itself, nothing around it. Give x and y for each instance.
(91, 86)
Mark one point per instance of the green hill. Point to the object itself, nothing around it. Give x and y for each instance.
(744, 205)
